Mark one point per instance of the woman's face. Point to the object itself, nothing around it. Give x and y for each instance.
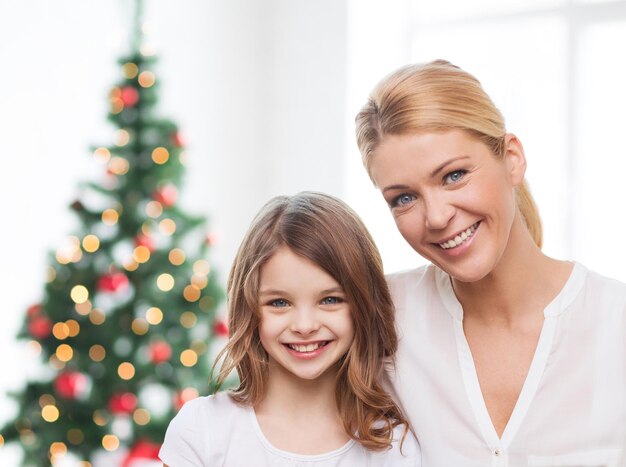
(452, 199)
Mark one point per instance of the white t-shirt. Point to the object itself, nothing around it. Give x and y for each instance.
(572, 408)
(214, 431)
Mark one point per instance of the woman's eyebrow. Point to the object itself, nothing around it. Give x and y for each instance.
(435, 172)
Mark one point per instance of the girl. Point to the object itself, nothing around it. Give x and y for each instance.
(311, 326)
(518, 358)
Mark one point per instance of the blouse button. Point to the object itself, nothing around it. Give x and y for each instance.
(497, 452)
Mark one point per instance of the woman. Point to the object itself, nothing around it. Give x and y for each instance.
(507, 356)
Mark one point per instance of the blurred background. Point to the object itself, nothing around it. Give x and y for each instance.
(265, 95)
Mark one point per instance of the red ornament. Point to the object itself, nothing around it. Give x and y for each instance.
(71, 384)
(212, 238)
(177, 140)
(184, 396)
(166, 195)
(113, 282)
(40, 327)
(160, 352)
(145, 240)
(220, 327)
(142, 449)
(129, 96)
(33, 310)
(124, 403)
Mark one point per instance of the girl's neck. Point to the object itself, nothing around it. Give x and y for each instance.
(524, 280)
(301, 416)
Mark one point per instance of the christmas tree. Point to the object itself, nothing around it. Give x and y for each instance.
(127, 320)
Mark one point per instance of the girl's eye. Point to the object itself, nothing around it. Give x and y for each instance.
(402, 200)
(455, 176)
(279, 303)
(331, 301)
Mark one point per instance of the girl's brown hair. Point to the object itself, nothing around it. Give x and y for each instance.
(329, 233)
(437, 96)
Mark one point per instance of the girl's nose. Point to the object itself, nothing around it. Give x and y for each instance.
(305, 321)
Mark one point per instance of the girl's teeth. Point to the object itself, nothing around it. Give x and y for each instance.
(305, 348)
(456, 241)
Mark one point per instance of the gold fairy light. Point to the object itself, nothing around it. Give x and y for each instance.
(192, 293)
(110, 216)
(91, 243)
(119, 165)
(1, 441)
(64, 353)
(46, 399)
(199, 347)
(126, 370)
(97, 353)
(176, 256)
(131, 265)
(188, 319)
(199, 281)
(188, 358)
(139, 326)
(73, 327)
(110, 442)
(206, 303)
(58, 449)
(154, 315)
(83, 308)
(55, 362)
(160, 155)
(141, 417)
(146, 79)
(130, 70)
(201, 267)
(75, 436)
(141, 254)
(117, 105)
(70, 251)
(121, 137)
(61, 331)
(165, 282)
(154, 209)
(34, 347)
(100, 418)
(50, 413)
(167, 227)
(102, 155)
(79, 294)
(96, 317)
(51, 274)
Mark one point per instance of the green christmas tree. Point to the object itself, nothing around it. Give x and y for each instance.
(128, 315)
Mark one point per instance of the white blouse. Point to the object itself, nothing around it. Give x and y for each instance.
(572, 407)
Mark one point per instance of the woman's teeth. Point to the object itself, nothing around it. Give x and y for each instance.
(307, 347)
(462, 237)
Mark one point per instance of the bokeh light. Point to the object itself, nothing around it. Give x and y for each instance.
(188, 358)
(50, 413)
(165, 282)
(110, 442)
(154, 315)
(91, 243)
(146, 79)
(79, 294)
(97, 353)
(160, 155)
(126, 370)
(176, 256)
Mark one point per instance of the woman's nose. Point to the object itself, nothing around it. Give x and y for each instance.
(438, 212)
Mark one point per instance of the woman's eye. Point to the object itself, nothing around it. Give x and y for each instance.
(402, 200)
(331, 301)
(279, 303)
(455, 176)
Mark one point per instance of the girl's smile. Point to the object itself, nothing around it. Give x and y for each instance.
(306, 325)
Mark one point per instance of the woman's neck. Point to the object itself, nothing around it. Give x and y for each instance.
(524, 281)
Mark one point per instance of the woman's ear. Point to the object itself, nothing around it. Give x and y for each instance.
(514, 158)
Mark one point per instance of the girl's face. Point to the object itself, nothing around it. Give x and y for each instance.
(452, 199)
(306, 324)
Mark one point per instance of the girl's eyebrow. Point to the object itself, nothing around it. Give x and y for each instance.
(272, 292)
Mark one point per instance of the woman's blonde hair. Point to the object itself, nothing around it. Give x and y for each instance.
(437, 96)
(330, 234)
